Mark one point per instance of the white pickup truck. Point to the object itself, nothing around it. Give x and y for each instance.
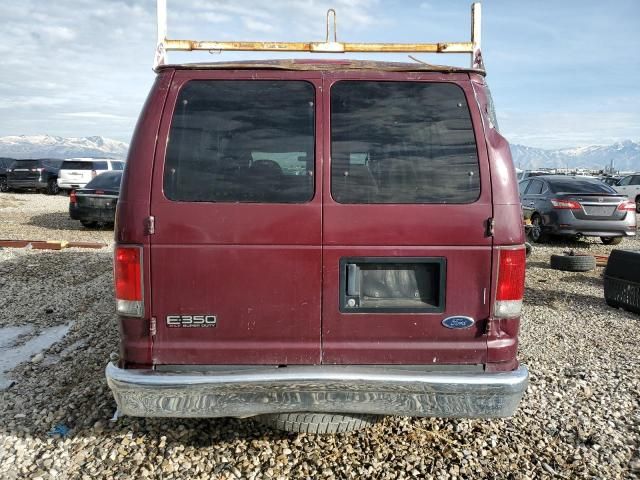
(630, 186)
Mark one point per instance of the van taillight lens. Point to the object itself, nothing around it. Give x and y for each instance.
(510, 286)
(128, 281)
(565, 204)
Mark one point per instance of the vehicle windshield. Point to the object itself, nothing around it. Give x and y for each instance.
(579, 185)
(107, 181)
(76, 165)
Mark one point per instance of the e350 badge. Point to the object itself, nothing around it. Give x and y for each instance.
(191, 321)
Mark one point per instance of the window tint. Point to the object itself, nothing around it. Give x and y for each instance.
(76, 165)
(522, 186)
(26, 164)
(402, 142)
(100, 166)
(625, 181)
(578, 185)
(535, 188)
(242, 141)
(117, 165)
(106, 180)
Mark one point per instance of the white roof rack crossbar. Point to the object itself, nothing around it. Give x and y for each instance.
(164, 44)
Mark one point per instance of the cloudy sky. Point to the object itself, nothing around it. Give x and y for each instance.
(562, 74)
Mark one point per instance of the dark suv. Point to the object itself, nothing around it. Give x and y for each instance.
(34, 174)
(318, 243)
(5, 163)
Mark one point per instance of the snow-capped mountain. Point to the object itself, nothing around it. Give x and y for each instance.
(625, 156)
(47, 146)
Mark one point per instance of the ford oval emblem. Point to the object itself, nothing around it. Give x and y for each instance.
(458, 322)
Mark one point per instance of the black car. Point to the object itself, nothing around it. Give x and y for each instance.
(39, 174)
(95, 204)
(5, 163)
(576, 206)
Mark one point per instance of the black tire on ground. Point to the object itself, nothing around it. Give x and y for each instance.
(536, 232)
(318, 422)
(611, 240)
(87, 224)
(52, 187)
(573, 263)
(3, 184)
(638, 204)
(528, 248)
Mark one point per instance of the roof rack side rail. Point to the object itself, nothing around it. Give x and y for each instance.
(164, 44)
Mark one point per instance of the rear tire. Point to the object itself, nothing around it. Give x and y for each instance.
(573, 263)
(4, 187)
(536, 233)
(638, 204)
(611, 240)
(318, 423)
(87, 224)
(52, 187)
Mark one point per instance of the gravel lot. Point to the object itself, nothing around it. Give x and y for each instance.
(579, 419)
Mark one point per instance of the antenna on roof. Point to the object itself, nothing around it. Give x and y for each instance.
(472, 48)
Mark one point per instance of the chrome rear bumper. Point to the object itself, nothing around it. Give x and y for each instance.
(383, 389)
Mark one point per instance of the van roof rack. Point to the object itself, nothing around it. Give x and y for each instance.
(165, 44)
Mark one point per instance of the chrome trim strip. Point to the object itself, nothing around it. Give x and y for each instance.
(383, 389)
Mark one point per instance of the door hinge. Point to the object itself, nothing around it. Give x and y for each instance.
(491, 225)
(152, 327)
(150, 225)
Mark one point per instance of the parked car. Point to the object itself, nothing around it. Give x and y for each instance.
(612, 181)
(77, 172)
(5, 163)
(576, 206)
(34, 174)
(95, 204)
(630, 186)
(318, 243)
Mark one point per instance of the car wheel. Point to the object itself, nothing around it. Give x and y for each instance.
(528, 248)
(611, 240)
(88, 224)
(638, 204)
(573, 263)
(318, 422)
(3, 184)
(536, 233)
(52, 187)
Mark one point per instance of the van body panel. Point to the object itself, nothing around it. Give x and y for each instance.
(132, 212)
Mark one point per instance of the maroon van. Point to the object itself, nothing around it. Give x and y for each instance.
(318, 243)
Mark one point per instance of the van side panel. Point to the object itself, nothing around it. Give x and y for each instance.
(502, 334)
(133, 209)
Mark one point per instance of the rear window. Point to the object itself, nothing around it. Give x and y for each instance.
(242, 141)
(107, 180)
(578, 185)
(402, 142)
(76, 165)
(26, 164)
(100, 166)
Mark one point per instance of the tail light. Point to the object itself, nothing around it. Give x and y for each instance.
(93, 174)
(128, 281)
(627, 206)
(73, 198)
(510, 286)
(565, 204)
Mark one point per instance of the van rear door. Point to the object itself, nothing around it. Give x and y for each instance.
(406, 252)
(236, 253)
